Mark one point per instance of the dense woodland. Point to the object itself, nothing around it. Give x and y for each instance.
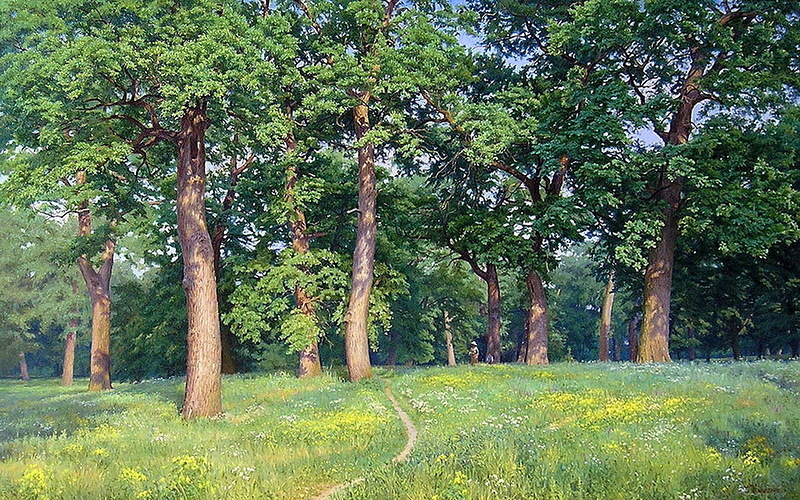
(202, 187)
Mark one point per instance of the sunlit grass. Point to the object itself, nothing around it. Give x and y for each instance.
(566, 431)
(279, 438)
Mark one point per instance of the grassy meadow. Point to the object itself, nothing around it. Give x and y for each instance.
(571, 431)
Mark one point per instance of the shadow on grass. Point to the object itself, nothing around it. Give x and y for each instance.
(42, 408)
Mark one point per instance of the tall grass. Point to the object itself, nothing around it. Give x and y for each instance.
(566, 431)
(279, 438)
(613, 431)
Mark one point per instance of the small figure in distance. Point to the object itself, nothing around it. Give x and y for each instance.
(473, 353)
(489, 358)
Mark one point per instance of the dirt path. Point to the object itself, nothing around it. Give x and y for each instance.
(411, 432)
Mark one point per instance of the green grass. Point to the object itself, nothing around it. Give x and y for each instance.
(566, 431)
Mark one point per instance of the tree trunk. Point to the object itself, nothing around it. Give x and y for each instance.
(605, 319)
(633, 335)
(692, 349)
(537, 321)
(523, 342)
(203, 397)
(69, 357)
(654, 340)
(98, 285)
(23, 367)
(218, 237)
(355, 336)
(69, 345)
(448, 338)
(794, 345)
(391, 358)
(735, 329)
(493, 303)
(309, 362)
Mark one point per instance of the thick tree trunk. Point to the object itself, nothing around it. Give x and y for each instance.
(654, 340)
(605, 319)
(536, 353)
(493, 303)
(633, 335)
(448, 338)
(23, 367)
(356, 320)
(203, 395)
(98, 285)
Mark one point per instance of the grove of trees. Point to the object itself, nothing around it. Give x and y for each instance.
(293, 184)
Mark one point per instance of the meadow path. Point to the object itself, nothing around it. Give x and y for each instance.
(411, 432)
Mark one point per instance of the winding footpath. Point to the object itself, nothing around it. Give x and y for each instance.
(411, 432)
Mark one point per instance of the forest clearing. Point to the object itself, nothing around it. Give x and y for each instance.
(674, 431)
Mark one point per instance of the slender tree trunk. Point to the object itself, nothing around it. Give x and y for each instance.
(523, 342)
(309, 362)
(692, 349)
(356, 320)
(493, 302)
(605, 318)
(391, 358)
(617, 349)
(69, 345)
(218, 236)
(537, 321)
(736, 329)
(23, 367)
(98, 285)
(633, 335)
(69, 356)
(203, 395)
(448, 337)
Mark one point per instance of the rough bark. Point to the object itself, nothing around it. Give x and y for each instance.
(98, 285)
(654, 339)
(356, 319)
(493, 302)
(448, 338)
(605, 319)
(536, 353)
(23, 367)
(633, 335)
(203, 395)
